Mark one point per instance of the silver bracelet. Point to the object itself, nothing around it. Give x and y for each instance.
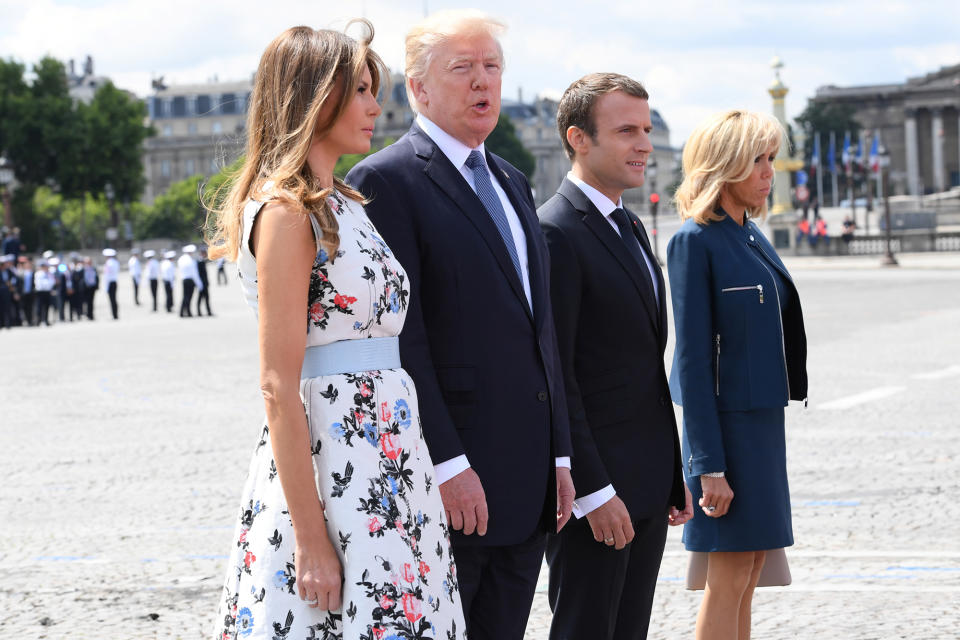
(715, 474)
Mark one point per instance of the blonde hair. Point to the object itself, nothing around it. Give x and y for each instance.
(425, 36)
(720, 151)
(301, 74)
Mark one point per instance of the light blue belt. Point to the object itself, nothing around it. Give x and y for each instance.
(351, 356)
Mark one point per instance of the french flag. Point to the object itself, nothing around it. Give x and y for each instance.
(875, 154)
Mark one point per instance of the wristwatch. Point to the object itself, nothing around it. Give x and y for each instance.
(715, 474)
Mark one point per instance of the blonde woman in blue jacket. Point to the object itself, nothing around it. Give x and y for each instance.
(740, 357)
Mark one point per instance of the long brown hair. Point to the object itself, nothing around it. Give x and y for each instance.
(299, 73)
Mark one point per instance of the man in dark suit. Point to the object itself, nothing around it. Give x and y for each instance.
(609, 303)
(479, 339)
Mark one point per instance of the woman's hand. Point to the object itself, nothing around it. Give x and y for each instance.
(717, 494)
(319, 574)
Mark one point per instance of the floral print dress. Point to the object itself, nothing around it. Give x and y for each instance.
(373, 472)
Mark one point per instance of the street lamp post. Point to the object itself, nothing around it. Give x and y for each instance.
(6, 181)
(654, 202)
(884, 158)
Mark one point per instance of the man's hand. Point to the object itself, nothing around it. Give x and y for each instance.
(465, 502)
(565, 495)
(611, 523)
(678, 517)
(717, 496)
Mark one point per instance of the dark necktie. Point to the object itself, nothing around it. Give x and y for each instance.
(629, 237)
(491, 202)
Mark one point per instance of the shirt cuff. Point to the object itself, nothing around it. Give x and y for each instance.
(563, 461)
(449, 468)
(584, 505)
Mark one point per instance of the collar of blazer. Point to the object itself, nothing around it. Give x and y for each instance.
(600, 227)
(754, 238)
(449, 180)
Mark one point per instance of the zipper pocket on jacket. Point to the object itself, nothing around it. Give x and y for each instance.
(716, 377)
(758, 287)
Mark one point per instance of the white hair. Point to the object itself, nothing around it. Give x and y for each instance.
(425, 36)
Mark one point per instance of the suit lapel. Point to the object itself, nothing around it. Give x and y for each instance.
(449, 179)
(614, 244)
(658, 272)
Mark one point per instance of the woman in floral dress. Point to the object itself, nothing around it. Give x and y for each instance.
(341, 532)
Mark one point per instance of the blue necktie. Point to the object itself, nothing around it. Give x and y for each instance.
(491, 202)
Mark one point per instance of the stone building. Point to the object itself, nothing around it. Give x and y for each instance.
(919, 123)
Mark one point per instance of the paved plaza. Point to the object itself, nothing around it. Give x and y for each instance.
(125, 444)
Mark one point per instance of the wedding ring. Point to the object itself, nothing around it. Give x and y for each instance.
(608, 540)
(711, 508)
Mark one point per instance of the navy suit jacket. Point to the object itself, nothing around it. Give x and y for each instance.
(735, 350)
(612, 340)
(486, 368)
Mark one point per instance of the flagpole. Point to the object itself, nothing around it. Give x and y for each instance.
(816, 148)
(833, 169)
(876, 134)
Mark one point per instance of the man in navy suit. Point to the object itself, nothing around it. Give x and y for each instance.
(479, 339)
(609, 303)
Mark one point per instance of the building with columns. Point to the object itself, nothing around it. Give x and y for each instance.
(919, 123)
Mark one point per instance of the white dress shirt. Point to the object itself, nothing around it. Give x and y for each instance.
(43, 280)
(153, 269)
(133, 266)
(169, 270)
(111, 269)
(457, 153)
(585, 504)
(189, 271)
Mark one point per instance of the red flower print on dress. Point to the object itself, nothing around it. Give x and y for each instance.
(378, 633)
(411, 607)
(316, 312)
(385, 602)
(408, 573)
(391, 445)
(384, 412)
(343, 301)
(374, 524)
(243, 536)
(249, 559)
(424, 569)
(365, 390)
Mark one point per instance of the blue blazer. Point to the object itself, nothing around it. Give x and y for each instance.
(735, 350)
(485, 365)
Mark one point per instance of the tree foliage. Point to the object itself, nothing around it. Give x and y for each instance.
(70, 147)
(822, 118)
(505, 143)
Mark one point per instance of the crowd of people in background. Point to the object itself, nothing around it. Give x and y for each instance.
(39, 290)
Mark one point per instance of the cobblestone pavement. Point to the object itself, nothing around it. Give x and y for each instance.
(125, 446)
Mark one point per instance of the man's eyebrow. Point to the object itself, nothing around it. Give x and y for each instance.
(454, 61)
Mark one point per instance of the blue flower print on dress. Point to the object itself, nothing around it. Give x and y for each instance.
(370, 433)
(245, 622)
(280, 579)
(401, 411)
(337, 431)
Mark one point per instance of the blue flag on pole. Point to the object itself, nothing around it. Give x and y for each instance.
(845, 151)
(802, 178)
(832, 156)
(875, 154)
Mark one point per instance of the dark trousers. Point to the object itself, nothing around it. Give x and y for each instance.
(88, 295)
(168, 295)
(187, 299)
(136, 291)
(6, 309)
(112, 293)
(43, 308)
(203, 297)
(29, 303)
(221, 274)
(598, 592)
(153, 292)
(497, 586)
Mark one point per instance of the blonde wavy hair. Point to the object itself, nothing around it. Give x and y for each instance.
(721, 151)
(425, 36)
(301, 73)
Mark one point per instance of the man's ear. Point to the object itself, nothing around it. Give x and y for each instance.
(418, 90)
(576, 138)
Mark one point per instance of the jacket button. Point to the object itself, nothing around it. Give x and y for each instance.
(751, 238)
(542, 396)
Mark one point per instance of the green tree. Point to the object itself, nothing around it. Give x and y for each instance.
(176, 213)
(349, 161)
(505, 143)
(822, 118)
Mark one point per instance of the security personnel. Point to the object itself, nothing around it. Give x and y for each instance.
(190, 277)
(168, 271)
(135, 269)
(153, 273)
(111, 271)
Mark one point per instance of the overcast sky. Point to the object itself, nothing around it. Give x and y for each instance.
(694, 57)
